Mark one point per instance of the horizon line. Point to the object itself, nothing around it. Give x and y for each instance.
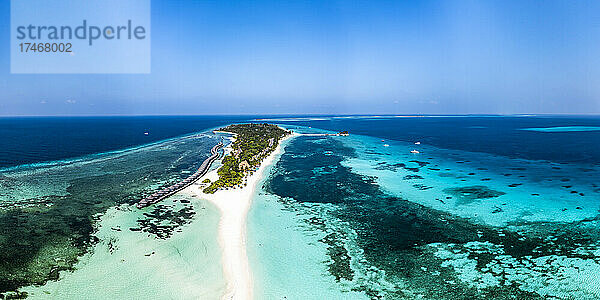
(302, 114)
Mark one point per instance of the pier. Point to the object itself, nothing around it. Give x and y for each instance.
(166, 192)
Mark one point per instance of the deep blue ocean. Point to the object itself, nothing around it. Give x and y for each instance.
(489, 134)
(30, 140)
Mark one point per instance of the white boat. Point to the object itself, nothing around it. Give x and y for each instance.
(414, 151)
(386, 145)
(146, 133)
(418, 143)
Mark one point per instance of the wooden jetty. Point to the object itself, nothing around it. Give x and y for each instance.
(166, 192)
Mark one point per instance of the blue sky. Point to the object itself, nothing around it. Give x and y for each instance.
(344, 57)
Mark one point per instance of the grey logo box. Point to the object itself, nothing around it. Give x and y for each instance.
(80, 36)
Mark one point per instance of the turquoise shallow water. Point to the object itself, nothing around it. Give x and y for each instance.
(531, 190)
(441, 224)
(128, 264)
(286, 258)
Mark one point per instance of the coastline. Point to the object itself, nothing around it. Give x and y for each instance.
(232, 233)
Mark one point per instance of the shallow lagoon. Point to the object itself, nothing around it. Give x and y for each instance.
(141, 266)
(286, 257)
(441, 224)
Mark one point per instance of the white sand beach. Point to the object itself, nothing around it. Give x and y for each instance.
(234, 205)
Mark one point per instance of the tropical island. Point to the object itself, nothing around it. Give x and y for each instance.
(231, 188)
(253, 143)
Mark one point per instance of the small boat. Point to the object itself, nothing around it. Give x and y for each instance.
(386, 145)
(146, 133)
(383, 140)
(418, 143)
(414, 151)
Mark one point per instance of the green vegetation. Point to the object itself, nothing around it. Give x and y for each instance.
(206, 180)
(254, 142)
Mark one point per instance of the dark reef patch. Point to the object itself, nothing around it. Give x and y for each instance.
(339, 266)
(411, 177)
(164, 220)
(422, 187)
(395, 167)
(420, 163)
(468, 194)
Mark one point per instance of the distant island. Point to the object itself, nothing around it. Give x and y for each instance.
(253, 143)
